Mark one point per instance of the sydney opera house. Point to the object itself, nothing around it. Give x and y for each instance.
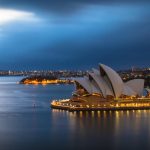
(103, 89)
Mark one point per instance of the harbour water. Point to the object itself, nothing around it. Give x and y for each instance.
(28, 123)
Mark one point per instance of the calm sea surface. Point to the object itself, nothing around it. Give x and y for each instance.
(23, 127)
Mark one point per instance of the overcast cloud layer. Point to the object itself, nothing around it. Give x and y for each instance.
(74, 34)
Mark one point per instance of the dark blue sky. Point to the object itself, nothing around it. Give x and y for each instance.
(74, 34)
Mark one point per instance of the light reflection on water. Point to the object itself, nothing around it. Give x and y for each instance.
(24, 127)
(108, 129)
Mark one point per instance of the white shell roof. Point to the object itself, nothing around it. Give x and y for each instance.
(110, 83)
(137, 85)
(115, 79)
(86, 84)
(128, 91)
(101, 83)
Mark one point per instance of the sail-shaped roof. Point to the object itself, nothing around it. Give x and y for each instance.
(137, 85)
(114, 79)
(128, 91)
(101, 83)
(107, 82)
(87, 85)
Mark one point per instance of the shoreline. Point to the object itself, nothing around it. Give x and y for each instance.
(45, 81)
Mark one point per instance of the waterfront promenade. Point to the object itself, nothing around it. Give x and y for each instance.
(137, 104)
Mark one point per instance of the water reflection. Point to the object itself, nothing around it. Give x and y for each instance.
(23, 126)
(108, 129)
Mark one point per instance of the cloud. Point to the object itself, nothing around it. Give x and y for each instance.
(62, 7)
(73, 31)
(9, 15)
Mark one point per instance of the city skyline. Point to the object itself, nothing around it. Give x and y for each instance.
(74, 34)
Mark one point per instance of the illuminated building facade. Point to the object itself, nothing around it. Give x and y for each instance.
(103, 89)
(105, 82)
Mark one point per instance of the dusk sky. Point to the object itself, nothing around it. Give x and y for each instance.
(74, 34)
